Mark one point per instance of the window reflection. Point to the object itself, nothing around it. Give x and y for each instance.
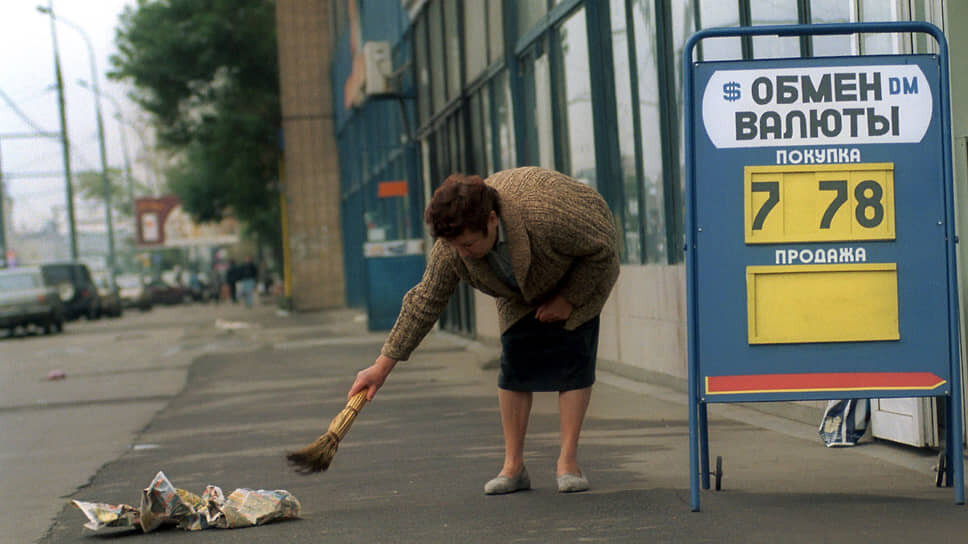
(536, 94)
(575, 95)
(495, 29)
(529, 13)
(646, 65)
(475, 38)
(503, 121)
(879, 44)
(422, 69)
(774, 12)
(714, 13)
(436, 56)
(577, 126)
(831, 11)
(452, 52)
(626, 134)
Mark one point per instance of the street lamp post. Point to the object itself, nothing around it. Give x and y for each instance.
(129, 181)
(100, 133)
(63, 123)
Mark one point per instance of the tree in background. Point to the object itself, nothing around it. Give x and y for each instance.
(90, 186)
(207, 73)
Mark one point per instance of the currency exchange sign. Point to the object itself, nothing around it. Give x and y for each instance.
(820, 229)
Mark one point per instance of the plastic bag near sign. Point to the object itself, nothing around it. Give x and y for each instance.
(164, 504)
(845, 422)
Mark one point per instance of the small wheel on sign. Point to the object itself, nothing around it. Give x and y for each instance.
(719, 472)
(942, 469)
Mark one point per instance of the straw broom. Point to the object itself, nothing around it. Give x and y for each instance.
(317, 456)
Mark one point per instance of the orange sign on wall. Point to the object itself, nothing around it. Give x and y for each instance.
(386, 189)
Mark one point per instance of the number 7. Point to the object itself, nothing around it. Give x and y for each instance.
(833, 185)
(772, 188)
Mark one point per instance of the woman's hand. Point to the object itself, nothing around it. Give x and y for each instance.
(554, 309)
(372, 377)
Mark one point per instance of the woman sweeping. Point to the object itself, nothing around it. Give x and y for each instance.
(544, 246)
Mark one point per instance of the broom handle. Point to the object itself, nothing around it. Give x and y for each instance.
(342, 422)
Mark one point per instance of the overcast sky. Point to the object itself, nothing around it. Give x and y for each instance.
(32, 167)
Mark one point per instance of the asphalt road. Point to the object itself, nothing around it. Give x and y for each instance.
(54, 435)
(221, 405)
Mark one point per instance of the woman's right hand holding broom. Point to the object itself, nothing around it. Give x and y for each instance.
(372, 377)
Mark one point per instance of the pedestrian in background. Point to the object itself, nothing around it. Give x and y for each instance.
(231, 277)
(544, 245)
(247, 274)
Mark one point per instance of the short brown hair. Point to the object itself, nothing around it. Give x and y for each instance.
(463, 202)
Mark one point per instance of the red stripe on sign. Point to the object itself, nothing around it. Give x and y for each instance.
(386, 189)
(824, 381)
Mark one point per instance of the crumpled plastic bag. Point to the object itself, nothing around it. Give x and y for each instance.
(245, 507)
(844, 422)
(101, 515)
(164, 504)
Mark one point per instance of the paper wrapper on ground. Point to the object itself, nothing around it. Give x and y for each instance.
(164, 504)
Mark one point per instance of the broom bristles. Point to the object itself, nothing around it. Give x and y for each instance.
(315, 457)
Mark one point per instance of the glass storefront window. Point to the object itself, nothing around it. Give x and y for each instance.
(879, 44)
(475, 36)
(831, 11)
(423, 69)
(437, 82)
(503, 121)
(488, 164)
(646, 65)
(544, 123)
(495, 29)
(453, 39)
(529, 13)
(929, 11)
(478, 163)
(774, 12)
(713, 13)
(575, 101)
(539, 145)
(626, 134)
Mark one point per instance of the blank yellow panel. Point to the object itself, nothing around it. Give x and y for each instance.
(822, 303)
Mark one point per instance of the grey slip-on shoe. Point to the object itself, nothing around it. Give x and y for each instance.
(502, 484)
(572, 483)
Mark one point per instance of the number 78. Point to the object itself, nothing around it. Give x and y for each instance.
(869, 211)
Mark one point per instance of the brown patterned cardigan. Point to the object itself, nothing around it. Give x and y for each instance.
(561, 239)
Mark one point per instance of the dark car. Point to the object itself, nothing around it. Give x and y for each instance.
(25, 300)
(76, 289)
(161, 292)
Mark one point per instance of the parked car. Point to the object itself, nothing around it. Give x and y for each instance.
(133, 292)
(162, 292)
(110, 303)
(25, 300)
(76, 289)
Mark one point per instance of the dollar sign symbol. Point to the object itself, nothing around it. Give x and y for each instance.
(731, 91)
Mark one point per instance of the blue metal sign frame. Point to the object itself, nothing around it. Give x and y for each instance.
(725, 365)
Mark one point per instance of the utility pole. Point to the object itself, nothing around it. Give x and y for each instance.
(69, 190)
(3, 229)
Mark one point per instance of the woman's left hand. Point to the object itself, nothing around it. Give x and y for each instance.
(554, 309)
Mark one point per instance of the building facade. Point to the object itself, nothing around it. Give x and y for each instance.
(423, 88)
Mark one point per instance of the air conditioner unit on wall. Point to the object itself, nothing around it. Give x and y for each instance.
(378, 68)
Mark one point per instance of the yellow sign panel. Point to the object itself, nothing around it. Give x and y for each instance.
(822, 303)
(819, 203)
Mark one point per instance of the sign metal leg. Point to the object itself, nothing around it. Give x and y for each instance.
(704, 445)
(693, 448)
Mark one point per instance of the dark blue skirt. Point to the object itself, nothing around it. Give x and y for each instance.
(538, 356)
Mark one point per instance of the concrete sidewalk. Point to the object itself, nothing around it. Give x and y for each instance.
(413, 465)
